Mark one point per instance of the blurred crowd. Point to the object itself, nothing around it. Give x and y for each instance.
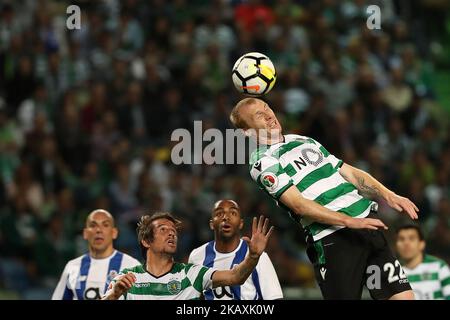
(86, 116)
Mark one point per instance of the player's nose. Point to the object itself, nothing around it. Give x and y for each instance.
(226, 216)
(172, 233)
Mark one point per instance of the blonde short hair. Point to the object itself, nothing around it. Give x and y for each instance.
(236, 118)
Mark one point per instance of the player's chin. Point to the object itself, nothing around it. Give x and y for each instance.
(408, 256)
(99, 245)
(275, 131)
(171, 248)
(227, 234)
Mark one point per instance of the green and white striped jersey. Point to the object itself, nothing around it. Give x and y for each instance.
(303, 162)
(430, 280)
(183, 282)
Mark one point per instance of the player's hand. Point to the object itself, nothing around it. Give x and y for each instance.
(403, 204)
(122, 284)
(260, 236)
(365, 223)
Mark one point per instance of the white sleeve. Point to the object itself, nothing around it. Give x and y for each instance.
(268, 279)
(200, 277)
(191, 257)
(129, 262)
(194, 257)
(270, 176)
(62, 291)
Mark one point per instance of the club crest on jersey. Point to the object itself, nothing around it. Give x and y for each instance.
(269, 180)
(174, 286)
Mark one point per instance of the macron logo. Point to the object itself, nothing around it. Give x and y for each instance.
(322, 272)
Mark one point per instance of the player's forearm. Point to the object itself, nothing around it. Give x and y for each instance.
(368, 185)
(306, 208)
(315, 212)
(236, 276)
(111, 296)
(243, 270)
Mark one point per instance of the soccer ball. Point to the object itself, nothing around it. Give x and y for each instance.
(254, 74)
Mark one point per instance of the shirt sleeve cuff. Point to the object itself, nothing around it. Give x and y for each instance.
(282, 190)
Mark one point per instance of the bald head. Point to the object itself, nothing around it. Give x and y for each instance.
(102, 214)
(226, 202)
(100, 233)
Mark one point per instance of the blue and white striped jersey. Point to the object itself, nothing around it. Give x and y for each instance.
(263, 284)
(86, 278)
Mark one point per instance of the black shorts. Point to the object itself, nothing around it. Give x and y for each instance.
(349, 259)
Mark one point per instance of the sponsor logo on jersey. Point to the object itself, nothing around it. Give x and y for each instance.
(174, 286)
(427, 276)
(221, 292)
(313, 157)
(92, 294)
(269, 180)
(143, 284)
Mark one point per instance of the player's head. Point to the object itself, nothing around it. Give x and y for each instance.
(158, 233)
(254, 113)
(410, 242)
(226, 220)
(100, 230)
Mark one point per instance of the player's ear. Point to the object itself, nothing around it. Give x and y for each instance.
(145, 244)
(85, 234)
(211, 226)
(422, 245)
(241, 224)
(252, 133)
(115, 233)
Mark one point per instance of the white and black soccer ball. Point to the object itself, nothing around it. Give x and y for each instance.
(254, 74)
